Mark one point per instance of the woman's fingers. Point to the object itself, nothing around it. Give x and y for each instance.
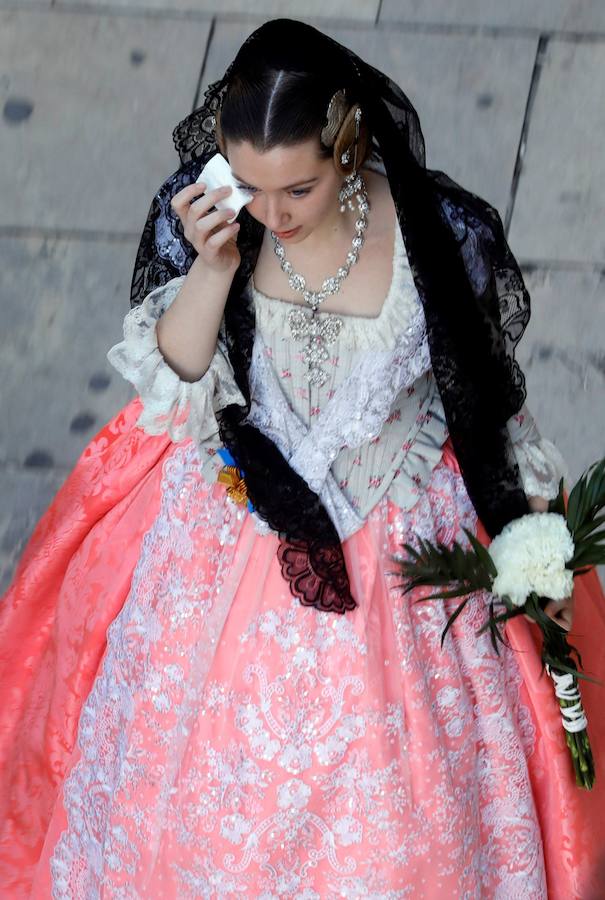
(204, 225)
(192, 196)
(192, 200)
(221, 237)
(561, 612)
(200, 223)
(207, 201)
(185, 197)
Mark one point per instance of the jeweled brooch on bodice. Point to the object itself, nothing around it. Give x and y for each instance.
(305, 324)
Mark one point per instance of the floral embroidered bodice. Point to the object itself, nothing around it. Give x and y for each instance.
(375, 426)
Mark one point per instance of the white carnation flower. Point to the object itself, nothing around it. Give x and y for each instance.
(530, 555)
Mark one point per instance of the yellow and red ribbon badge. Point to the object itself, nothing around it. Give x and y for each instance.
(233, 478)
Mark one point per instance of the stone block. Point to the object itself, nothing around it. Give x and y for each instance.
(363, 10)
(28, 4)
(559, 211)
(63, 304)
(563, 357)
(547, 15)
(26, 494)
(89, 104)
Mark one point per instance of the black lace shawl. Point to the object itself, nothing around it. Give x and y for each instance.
(475, 303)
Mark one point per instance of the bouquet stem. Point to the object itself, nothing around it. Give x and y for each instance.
(557, 650)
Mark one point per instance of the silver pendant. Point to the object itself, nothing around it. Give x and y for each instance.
(320, 333)
(354, 185)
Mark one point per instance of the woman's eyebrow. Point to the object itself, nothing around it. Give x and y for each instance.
(287, 188)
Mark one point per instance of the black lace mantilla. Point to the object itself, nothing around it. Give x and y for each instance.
(475, 303)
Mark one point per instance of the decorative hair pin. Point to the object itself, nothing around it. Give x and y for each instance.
(335, 116)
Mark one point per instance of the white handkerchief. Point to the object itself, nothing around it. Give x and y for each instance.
(217, 173)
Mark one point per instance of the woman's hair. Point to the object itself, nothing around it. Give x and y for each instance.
(271, 107)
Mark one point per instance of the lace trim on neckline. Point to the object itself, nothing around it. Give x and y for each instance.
(358, 332)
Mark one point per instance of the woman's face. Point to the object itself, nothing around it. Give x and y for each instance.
(293, 187)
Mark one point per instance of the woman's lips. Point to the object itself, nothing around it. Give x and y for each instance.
(287, 234)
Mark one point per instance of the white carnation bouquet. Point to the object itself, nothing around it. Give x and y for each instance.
(533, 560)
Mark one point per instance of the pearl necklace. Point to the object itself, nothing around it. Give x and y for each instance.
(304, 324)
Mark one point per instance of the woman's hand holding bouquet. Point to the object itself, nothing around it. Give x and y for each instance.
(529, 570)
(560, 611)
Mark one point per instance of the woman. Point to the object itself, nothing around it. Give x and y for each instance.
(233, 737)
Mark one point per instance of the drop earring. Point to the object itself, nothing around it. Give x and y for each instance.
(344, 159)
(353, 183)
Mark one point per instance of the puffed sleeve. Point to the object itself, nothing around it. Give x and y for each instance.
(181, 408)
(540, 462)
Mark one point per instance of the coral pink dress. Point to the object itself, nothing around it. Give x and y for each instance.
(175, 724)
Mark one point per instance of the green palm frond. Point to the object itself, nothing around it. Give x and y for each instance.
(587, 498)
(460, 571)
(453, 618)
(588, 528)
(589, 553)
(495, 620)
(585, 518)
(558, 504)
(437, 564)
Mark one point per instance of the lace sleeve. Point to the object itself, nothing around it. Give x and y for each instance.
(540, 462)
(181, 408)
